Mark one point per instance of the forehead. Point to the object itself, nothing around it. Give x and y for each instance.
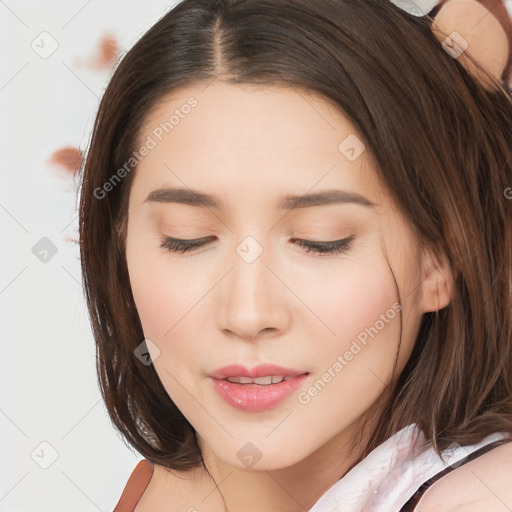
(252, 140)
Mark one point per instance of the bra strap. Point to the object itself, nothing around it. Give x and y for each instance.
(415, 498)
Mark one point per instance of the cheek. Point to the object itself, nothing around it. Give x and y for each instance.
(168, 302)
(154, 295)
(162, 298)
(359, 307)
(353, 297)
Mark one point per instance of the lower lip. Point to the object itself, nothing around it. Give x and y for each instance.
(256, 398)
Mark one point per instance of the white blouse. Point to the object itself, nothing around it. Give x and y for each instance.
(388, 476)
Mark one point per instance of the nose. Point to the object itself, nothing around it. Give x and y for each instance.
(254, 298)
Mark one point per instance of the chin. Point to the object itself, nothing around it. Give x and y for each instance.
(261, 456)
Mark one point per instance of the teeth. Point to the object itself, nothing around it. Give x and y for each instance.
(262, 381)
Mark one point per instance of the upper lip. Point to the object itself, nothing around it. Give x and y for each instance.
(262, 370)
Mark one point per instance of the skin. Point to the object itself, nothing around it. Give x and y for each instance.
(481, 484)
(249, 146)
(486, 40)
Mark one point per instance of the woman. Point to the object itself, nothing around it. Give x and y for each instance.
(296, 248)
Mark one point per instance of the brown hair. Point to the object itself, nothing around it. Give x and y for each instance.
(441, 143)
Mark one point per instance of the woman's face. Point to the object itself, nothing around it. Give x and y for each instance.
(252, 295)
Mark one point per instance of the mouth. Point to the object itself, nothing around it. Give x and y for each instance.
(260, 381)
(257, 389)
(259, 374)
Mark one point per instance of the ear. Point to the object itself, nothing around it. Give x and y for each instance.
(436, 282)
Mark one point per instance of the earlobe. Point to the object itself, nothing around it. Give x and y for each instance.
(436, 282)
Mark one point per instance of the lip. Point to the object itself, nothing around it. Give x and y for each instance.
(255, 397)
(262, 370)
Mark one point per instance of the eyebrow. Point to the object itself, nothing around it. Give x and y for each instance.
(288, 202)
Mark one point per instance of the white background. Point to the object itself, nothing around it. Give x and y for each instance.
(48, 385)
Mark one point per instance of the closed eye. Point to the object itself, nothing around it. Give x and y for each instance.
(332, 247)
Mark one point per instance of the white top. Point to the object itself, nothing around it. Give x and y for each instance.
(508, 5)
(416, 7)
(388, 476)
(423, 7)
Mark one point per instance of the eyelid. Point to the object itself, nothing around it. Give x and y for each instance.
(330, 247)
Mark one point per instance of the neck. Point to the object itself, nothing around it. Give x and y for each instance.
(291, 489)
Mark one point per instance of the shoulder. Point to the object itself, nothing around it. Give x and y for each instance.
(481, 484)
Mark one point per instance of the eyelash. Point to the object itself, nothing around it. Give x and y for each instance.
(335, 247)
